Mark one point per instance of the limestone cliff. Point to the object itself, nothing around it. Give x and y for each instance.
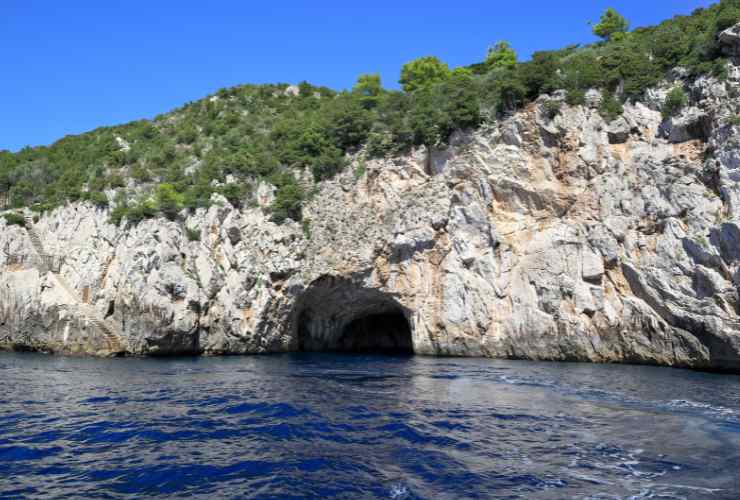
(565, 238)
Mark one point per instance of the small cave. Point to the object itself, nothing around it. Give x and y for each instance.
(334, 315)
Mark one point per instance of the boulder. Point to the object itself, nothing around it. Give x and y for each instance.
(692, 124)
(729, 40)
(618, 131)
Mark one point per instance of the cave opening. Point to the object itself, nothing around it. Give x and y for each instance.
(336, 316)
(382, 333)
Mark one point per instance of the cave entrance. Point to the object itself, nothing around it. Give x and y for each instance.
(385, 333)
(336, 316)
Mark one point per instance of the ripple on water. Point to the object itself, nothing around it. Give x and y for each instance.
(344, 426)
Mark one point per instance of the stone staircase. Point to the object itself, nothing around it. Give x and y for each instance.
(87, 312)
(37, 245)
(104, 272)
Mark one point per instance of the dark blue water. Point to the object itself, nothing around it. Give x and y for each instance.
(355, 427)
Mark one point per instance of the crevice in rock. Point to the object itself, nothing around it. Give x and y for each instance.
(111, 309)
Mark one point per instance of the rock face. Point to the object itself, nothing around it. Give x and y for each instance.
(730, 41)
(550, 239)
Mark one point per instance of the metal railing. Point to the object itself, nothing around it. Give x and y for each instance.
(53, 263)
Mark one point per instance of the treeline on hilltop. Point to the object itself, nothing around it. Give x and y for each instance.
(228, 142)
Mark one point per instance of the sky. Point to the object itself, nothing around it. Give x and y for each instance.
(70, 66)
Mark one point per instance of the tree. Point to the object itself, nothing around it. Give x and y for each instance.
(369, 89)
(423, 73)
(368, 85)
(347, 121)
(728, 15)
(501, 56)
(289, 198)
(583, 71)
(169, 201)
(675, 101)
(461, 73)
(234, 192)
(611, 22)
(426, 118)
(610, 108)
(328, 164)
(512, 94)
(540, 74)
(460, 102)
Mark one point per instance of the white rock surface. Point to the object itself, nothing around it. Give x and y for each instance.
(565, 240)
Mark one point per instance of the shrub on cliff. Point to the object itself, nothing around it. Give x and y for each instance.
(675, 101)
(328, 164)
(97, 198)
(288, 200)
(167, 200)
(610, 108)
(192, 233)
(234, 192)
(142, 209)
(13, 219)
(576, 97)
(347, 121)
(728, 14)
(460, 96)
(551, 109)
(187, 134)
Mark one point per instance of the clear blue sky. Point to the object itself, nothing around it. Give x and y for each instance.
(70, 66)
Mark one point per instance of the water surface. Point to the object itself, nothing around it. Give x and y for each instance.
(321, 425)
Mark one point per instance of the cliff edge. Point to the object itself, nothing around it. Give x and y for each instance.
(547, 236)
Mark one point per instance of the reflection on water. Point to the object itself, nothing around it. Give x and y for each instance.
(359, 426)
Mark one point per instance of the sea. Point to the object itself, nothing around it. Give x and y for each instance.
(361, 426)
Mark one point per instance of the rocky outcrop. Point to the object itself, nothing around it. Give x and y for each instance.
(730, 41)
(564, 238)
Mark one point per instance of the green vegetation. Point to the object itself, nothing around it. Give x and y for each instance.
(423, 73)
(228, 142)
(501, 56)
(192, 233)
(12, 219)
(611, 23)
(360, 170)
(551, 109)
(288, 198)
(675, 101)
(610, 107)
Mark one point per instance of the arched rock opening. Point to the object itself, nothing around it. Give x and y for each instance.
(336, 315)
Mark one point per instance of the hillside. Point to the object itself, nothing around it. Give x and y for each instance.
(226, 143)
(582, 206)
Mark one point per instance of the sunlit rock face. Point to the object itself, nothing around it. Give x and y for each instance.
(565, 238)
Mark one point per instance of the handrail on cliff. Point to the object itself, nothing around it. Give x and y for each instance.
(53, 263)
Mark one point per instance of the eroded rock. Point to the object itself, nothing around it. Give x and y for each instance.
(564, 238)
